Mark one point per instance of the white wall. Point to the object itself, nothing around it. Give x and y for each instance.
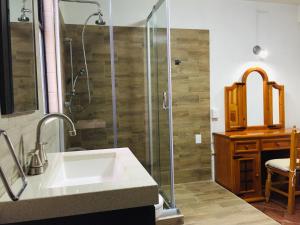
(124, 12)
(236, 26)
(15, 7)
(77, 13)
(233, 31)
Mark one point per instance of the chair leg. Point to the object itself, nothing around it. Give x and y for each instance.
(291, 194)
(268, 185)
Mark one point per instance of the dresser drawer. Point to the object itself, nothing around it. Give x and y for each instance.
(274, 144)
(246, 146)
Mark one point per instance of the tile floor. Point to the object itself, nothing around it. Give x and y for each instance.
(207, 203)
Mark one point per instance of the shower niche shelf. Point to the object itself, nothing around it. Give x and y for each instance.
(90, 124)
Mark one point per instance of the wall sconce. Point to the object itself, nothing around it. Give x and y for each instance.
(260, 52)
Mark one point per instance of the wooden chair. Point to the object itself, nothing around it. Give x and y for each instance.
(287, 168)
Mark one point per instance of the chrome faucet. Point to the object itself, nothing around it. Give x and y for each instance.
(39, 162)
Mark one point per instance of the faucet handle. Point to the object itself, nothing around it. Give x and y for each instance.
(27, 160)
(35, 165)
(35, 160)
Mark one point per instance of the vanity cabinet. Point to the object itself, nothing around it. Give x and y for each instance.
(240, 158)
(247, 169)
(254, 133)
(134, 216)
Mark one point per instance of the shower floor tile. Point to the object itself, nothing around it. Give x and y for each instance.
(207, 203)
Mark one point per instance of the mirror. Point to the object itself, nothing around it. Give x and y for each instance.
(276, 98)
(254, 103)
(23, 55)
(255, 100)
(275, 94)
(20, 73)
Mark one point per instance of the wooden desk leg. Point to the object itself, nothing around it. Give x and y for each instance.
(268, 185)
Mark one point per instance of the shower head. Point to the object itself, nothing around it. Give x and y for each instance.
(100, 20)
(24, 17)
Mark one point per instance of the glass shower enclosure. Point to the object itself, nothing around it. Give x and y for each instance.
(87, 73)
(91, 56)
(160, 132)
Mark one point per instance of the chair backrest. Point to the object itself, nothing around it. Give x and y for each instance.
(295, 149)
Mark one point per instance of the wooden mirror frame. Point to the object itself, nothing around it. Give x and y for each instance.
(280, 89)
(236, 103)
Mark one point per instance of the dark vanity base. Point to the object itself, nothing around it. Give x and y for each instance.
(135, 216)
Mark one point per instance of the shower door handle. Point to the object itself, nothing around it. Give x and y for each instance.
(165, 101)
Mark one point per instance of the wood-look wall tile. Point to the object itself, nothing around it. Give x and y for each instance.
(191, 100)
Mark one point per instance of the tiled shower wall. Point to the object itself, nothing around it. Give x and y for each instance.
(100, 108)
(23, 66)
(191, 104)
(129, 53)
(190, 94)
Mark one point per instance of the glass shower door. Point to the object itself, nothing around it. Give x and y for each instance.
(160, 101)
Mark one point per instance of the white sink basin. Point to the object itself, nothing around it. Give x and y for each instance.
(74, 170)
(82, 182)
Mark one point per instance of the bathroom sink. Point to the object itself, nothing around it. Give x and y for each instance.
(82, 169)
(82, 182)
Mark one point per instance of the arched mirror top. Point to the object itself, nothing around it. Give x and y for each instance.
(255, 70)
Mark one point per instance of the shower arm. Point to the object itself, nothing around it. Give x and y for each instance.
(88, 2)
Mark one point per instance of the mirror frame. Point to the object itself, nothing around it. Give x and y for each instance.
(6, 81)
(236, 103)
(7, 102)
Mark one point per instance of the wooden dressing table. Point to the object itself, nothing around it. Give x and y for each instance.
(242, 150)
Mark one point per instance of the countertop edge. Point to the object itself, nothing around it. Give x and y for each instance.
(71, 205)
